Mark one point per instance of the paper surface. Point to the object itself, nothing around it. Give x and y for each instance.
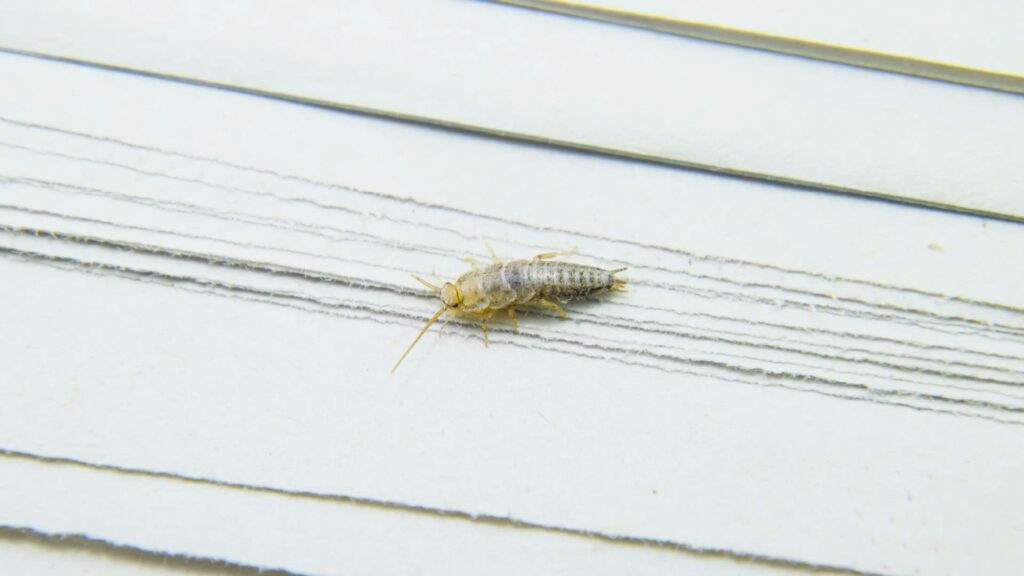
(38, 554)
(981, 35)
(525, 72)
(225, 283)
(308, 535)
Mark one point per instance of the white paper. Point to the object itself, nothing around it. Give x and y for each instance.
(527, 72)
(264, 530)
(57, 555)
(981, 35)
(224, 305)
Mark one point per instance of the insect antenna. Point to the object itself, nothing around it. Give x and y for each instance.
(420, 335)
(425, 283)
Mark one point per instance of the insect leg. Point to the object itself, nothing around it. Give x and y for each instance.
(554, 306)
(550, 255)
(483, 324)
(494, 255)
(515, 322)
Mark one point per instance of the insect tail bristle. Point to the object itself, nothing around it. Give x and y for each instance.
(618, 284)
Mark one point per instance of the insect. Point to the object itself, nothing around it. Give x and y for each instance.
(506, 285)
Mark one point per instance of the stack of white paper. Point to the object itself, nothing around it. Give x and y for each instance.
(204, 291)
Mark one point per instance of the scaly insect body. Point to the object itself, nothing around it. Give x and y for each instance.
(526, 282)
(504, 286)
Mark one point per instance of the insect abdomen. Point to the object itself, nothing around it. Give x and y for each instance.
(559, 280)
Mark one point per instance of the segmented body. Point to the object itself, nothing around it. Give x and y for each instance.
(526, 282)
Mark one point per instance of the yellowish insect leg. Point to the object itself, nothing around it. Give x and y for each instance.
(515, 322)
(550, 255)
(494, 255)
(554, 306)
